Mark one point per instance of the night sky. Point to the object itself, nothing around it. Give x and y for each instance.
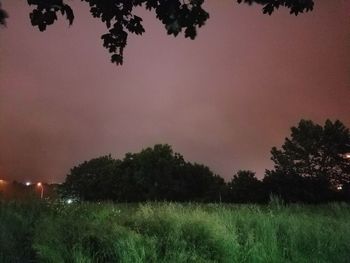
(223, 99)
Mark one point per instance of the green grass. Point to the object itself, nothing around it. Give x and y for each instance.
(166, 232)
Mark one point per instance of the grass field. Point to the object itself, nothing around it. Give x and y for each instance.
(166, 232)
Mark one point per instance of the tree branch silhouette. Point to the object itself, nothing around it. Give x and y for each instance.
(118, 15)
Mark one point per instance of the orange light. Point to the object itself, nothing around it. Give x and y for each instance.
(39, 184)
(347, 155)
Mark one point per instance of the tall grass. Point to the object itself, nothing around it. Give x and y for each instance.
(18, 221)
(166, 232)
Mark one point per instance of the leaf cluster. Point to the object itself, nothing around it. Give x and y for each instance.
(295, 6)
(120, 19)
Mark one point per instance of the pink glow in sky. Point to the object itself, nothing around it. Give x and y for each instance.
(223, 99)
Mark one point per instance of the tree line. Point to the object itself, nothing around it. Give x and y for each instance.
(312, 166)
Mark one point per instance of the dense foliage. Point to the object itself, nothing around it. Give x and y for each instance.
(159, 232)
(312, 163)
(120, 18)
(152, 174)
(246, 188)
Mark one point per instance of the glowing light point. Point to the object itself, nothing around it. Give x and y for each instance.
(40, 185)
(347, 156)
(339, 187)
(69, 201)
(28, 183)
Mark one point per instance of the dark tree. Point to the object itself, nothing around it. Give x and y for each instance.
(120, 19)
(154, 174)
(92, 180)
(158, 174)
(316, 153)
(246, 188)
(201, 184)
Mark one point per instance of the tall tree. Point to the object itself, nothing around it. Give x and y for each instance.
(315, 151)
(120, 19)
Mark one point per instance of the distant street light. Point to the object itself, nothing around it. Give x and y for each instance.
(40, 185)
(347, 155)
(2, 183)
(28, 183)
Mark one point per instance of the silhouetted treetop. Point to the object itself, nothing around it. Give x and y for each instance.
(3, 16)
(155, 173)
(315, 151)
(118, 16)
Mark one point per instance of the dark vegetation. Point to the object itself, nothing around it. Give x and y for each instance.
(153, 174)
(120, 18)
(43, 232)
